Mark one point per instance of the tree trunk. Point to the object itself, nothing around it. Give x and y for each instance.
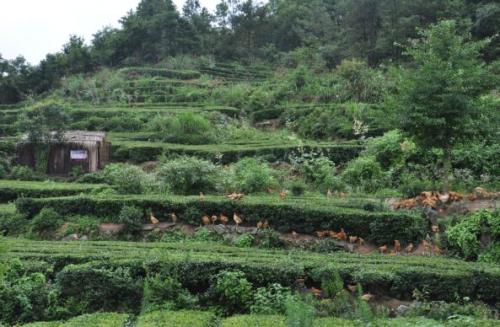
(446, 168)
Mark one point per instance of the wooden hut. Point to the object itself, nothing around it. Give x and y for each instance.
(88, 150)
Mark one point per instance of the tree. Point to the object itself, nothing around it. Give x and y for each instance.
(437, 98)
(44, 122)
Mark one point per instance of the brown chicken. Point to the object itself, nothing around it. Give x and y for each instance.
(283, 195)
(214, 218)
(332, 234)
(321, 234)
(260, 224)
(397, 246)
(235, 196)
(353, 239)
(409, 248)
(206, 220)
(435, 228)
(316, 292)
(269, 190)
(153, 219)
(202, 196)
(237, 219)
(383, 249)
(223, 219)
(426, 245)
(294, 234)
(352, 288)
(342, 236)
(265, 224)
(361, 241)
(437, 250)
(174, 217)
(367, 297)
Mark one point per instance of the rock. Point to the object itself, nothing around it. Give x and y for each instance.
(402, 310)
(71, 237)
(84, 238)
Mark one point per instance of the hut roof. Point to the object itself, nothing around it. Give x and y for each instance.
(78, 137)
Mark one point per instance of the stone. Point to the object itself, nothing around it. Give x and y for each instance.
(84, 238)
(402, 310)
(71, 237)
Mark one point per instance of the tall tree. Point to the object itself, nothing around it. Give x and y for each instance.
(438, 97)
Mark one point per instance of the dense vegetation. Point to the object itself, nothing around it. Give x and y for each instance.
(259, 156)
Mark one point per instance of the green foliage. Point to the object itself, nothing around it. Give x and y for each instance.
(23, 173)
(167, 293)
(45, 223)
(466, 235)
(320, 171)
(187, 175)
(132, 217)
(248, 175)
(390, 150)
(298, 187)
(442, 311)
(298, 313)
(127, 179)
(244, 241)
(41, 120)
(365, 173)
(270, 300)
(177, 318)
(184, 128)
(233, 292)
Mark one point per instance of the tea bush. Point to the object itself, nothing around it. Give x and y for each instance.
(233, 292)
(365, 173)
(187, 175)
(45, 223)
(248, 175)
(166, 293)
(270, 300)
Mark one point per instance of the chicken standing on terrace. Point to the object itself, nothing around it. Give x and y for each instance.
(237, 220)
(153, 219)
(260, 224)
(383, 249)
(361, 241)
(294, 234)
(329, 193)
(174, 217)
(206, 220)
(342, 236)
(283, 195)
(202, 196)
(265, 224)
(353, 239)
(223, 219)
(437, 250)
(214, 219)
(409, 248)
(397, 246)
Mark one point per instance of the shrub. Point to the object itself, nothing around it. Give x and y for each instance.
(298, 187)
(411, 185)
(167, 293)
(465, 236)
(23, 173)
(13, 223)
(244, 241)
(233, 292)
(270, 300)
(188, 175)
(126, 179)
(269, 239)
(391, 149)
(320, 171)
(185, 128)
(248, 175)
(298, 313)
(45, 223)
(177, 319)
(364, 172)
(132, 217)
(324, 123)
(440, 310)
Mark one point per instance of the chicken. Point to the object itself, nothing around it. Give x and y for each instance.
(223, 219)
(382, 249)
(367, 297)
(237, 219)
(235, 196)
(437, 250)
(265, 224)
(361, 241)
(455, 197)
(206, 220)
(397, 246)
(353, 239)
(435, 228)
(316, 292)
(294, 234)
(260, 224)
(202, 196)
(342, 236)
(321, 234)
(409, 248)
(352, 288)
(283, 195)
(213, 219)
(426, 245)
(174, 217)
(329, 193)
(269, 190)
(153, 219)
(332, 234)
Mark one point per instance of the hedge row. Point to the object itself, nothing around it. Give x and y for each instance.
(147, 151)
(381, 227)
(160, 72)
(177, 318)
(196, 263)
(88, 320)
(11, 190)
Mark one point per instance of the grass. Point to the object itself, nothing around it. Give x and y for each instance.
(88, 320)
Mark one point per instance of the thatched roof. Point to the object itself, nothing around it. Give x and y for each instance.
(76, 137)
